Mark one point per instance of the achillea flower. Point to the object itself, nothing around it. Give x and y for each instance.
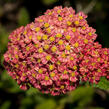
(55, 52)
(95, 63)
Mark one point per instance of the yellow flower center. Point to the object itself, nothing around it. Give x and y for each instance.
(83, 27)
(40, 50)
(31, 26)
(30, 37)
(59, 35)
(68, 47)
(40, 20)
(16, 56)
(81, 17)
(16, 65)
(25, 32)
(52, 39)
(37, 29)
(90, 34)
(48, 57)
(53, 49)
(39, 38)
(58, 62)
(93, 78)
(74, 29)
(17, 77)
(23, 63)
(68, 37)
(95, 52)
(46, 47)
(36, 45)
(52, 74)
(74, 67)
(46, 25)
(76, 44)
(63, 55)
(48, 30)
(85, 41)
(51, 67)
(69, 23)
(46, 78)
(62, 86)
(73, 74)
(86, 60)
(40, 71)
(71, 58)
(16, 48)
(60, 18)
(33, 75)
(65, 72)
(99, 70)
(98, 59)
(27, 48)
(50, 13)
(23, 74)
(105, 52)
(39, 60)
(60, 42)
(32, 59)
(105, 62)
(18, 38)
(93, 63)
(76, 22)
(70, 15)
(58, 11)
(44, 37)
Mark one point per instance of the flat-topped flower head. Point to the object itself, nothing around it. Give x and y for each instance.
(55, 52)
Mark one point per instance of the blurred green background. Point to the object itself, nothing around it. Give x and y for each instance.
(14, 13)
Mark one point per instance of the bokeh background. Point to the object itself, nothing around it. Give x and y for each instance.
(14, 13)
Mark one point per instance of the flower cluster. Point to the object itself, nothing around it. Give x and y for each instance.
(55, 52)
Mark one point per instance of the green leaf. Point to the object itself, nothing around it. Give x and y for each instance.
(89, 108)
(12, 85)
(103, 84)
(48, 104)
(23, 18)
(81, 93)
(49, 2)
(99, 6)
(82, 96)
(3, 40)
(32, 92)
(26, 103)
(1, 59)
(5, 105)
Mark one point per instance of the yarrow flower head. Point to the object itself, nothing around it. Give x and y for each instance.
(55, 52)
